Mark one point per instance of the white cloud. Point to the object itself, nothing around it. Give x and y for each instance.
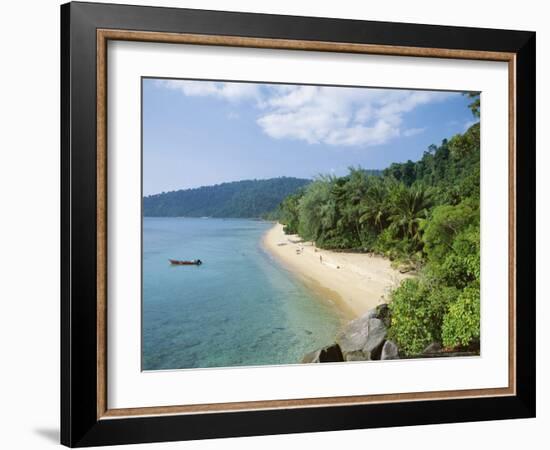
(228, 91)
(320, 114)
(340, 116)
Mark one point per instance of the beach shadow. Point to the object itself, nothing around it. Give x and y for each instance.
(50, 434)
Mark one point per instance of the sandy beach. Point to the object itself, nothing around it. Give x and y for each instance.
(355, 282)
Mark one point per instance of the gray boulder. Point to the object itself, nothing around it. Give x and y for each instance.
(376, 335)
(311, 357)
(372, 313)
(356, 356)
(353, 336)
(383, 313)
(389, 351)
(330, 353)
(365, 334)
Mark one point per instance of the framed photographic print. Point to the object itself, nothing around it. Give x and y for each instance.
(276, 224)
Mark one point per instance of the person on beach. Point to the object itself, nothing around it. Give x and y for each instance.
(321, 259)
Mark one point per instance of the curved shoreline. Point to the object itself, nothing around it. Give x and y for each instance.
(355, 282)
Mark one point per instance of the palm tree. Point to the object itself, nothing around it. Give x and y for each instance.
(374, 205)
(409, 209)
(314, 212)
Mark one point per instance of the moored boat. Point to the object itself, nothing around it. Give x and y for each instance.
(193, 262)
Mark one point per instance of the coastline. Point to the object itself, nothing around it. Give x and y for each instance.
(355, 282)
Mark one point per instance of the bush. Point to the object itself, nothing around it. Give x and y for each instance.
(461, 324)
(395, 248)
(331, 242)
(417, 313)
(446, 222)
(461, 265)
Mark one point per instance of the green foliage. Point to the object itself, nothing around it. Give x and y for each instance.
(445, 223)
(288, 212)
(461, 323)
(405, 173)
(475, 105)
(444, 305)
(317, 209)
(348, 193)
(248, 198)
(409, 209)
(461, 266)
(374, 207)
(417, 313)
(462, 145)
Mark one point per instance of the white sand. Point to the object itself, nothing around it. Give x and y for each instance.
(355, 282)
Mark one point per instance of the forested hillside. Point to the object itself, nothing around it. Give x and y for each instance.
(423, 215)
(247, 198)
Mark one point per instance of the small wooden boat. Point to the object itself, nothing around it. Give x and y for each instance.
(193, 262)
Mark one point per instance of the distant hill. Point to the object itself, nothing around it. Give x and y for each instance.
(247, 198)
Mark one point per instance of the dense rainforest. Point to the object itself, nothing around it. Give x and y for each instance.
(247, 198)
(424, 216)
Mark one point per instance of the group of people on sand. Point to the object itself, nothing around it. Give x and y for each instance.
(300, 251)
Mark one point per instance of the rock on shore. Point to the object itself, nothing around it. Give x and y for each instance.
(390, 351)
(362, 339)
(331, 353)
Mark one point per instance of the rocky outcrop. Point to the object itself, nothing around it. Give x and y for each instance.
(366, 339)
(353, 337)
(362, 339)
(376, 336)
(390, 350)
(331, 353)
(383, 313)
(311, 357)
(355, 356)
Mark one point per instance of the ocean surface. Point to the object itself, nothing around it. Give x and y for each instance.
(239, 308)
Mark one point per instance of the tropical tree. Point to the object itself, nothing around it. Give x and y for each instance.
(375, 207)
(446, 222)
(409, 209)
(349, 193)
(289, 212)
(315, 212)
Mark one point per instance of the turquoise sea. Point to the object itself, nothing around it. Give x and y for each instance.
(239, 308)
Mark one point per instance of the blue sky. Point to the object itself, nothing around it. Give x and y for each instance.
(199, 133)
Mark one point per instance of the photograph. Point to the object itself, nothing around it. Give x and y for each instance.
(297, 224)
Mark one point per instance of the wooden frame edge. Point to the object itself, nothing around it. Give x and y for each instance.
(101, 223)
(212, 408)
(289, 44)
(104, 35)
(512, 199)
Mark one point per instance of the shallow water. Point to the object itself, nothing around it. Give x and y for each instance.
(239, 308)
